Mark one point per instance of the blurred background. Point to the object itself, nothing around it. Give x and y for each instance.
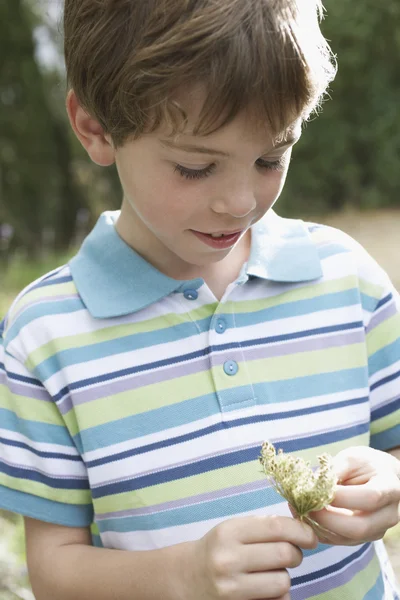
(345, 170)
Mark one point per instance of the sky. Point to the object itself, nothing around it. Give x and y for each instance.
(46, 50)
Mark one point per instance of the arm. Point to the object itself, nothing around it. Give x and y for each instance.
(63, 565)
(245, 558)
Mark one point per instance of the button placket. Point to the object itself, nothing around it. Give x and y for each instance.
(232, 384)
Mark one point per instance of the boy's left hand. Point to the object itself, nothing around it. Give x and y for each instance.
(367, 500)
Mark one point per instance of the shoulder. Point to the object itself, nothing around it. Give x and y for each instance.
(344, 253)
(39, 306)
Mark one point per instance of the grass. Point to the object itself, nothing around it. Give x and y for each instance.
(20, 272)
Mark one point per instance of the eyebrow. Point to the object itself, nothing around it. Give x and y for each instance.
(213, 151)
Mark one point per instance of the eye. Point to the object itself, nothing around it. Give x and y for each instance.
(275, 165)
(195, 173)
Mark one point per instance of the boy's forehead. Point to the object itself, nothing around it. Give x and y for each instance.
(242, 130)
(248, 124)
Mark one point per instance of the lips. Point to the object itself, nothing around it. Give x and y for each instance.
(226, 241)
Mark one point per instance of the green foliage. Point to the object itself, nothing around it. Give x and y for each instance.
(349, 154)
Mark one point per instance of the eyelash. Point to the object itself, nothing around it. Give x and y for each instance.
(202, 173)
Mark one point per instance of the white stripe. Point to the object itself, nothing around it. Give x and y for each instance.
(199, 424)
(226, 441)
(39, 446)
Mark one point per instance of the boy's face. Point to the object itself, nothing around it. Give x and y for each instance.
(175, 193)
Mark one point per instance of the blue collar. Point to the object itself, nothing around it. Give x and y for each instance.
(113, 280)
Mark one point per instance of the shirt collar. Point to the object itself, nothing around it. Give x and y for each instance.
(114, 280)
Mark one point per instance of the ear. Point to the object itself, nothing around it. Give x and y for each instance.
(90, 133)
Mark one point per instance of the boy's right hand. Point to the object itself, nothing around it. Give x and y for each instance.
(247, 559)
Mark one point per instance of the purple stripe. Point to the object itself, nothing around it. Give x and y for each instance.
(272, 351)
(203, 364)
(200, 498)
(223, 452)
(133, 383)
(35, 393)
(378, 318)
(326, 584)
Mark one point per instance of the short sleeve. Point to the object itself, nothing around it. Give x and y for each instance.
(42, 474)
(381, 303)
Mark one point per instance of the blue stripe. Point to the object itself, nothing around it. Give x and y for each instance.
(52, 482)
(42, 509)
(276, 416)
(377, 592)
(52, 364)
(225, 460)
(59, 455)
(386, 440)
(332, 568)
(187, 329)
(384, 380)
(48, 282)
(383, 411)
(37, 432)
(44, 309)
(384, 358)
(368, 303)
(22, 378)
(384, 301)
(165, 417)
(194, 513)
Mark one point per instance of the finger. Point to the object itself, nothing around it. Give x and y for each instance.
(271, 557)
(277, 529)
(359, 527)
(377, 493)
(256, 585)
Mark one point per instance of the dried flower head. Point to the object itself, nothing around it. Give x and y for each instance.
(293, 478)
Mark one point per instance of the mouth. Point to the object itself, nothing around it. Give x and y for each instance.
(219, 240)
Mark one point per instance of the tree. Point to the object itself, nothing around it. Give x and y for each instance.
(38, 191)
(349, 154)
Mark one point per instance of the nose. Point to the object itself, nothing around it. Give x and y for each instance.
(237, 203)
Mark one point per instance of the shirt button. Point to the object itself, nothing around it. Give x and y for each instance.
(220, 325)
(231, 367)
(191, 294)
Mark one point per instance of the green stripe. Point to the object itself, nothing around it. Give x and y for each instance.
(30, 409)
(211, 481)
(134, 402)
(384, 334)
(107, 334)
(42, 490)
(386, 422)
(304, 293)
(302, 364)
(44, 293)
(169, 393)
(357, 587)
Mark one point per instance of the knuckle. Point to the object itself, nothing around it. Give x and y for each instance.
(377, 498)
(276, 527)
(362, 531)
(284, 553)
(226, 590)
(223, 564)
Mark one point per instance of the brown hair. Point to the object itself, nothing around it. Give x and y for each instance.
(126, 58)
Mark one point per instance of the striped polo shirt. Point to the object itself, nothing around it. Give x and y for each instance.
(137, 404)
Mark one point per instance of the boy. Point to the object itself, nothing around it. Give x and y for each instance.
(141, 379)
